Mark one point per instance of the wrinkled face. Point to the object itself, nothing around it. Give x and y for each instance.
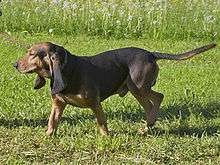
(36, 60)
(47, 60)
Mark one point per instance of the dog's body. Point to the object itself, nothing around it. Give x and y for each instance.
(87, 81)
(106, 74)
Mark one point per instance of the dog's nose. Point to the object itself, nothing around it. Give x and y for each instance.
(16, 65)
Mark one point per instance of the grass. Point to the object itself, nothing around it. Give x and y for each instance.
(187, 131)
(188, 127)
(160, 19)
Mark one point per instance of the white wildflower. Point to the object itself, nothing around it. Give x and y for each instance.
(100, 10)
(65, 5)
(210, 18)
(104, 3)
(121, 12)
(215, 34)
(130, 17)
(92, 19)
(183, 18)
(74, 6)
(11, 78)
(135, 5)
(50, 30)
(37, 10)
(55, 2)
(155, 22)
(74, 14)
(113, 6)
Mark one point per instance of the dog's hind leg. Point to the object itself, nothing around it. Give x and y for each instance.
(139, 83)
(142, 97)
(156, 98)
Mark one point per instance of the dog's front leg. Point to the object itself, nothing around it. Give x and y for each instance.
(100, 118)
(55, 115)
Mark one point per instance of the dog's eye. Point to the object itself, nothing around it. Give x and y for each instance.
(31, 52)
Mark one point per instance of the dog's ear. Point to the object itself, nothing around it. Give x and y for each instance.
(39, 82)
(57, 83)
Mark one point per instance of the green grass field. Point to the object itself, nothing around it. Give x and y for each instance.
(188, 126)
(187, 131)
(159, 19)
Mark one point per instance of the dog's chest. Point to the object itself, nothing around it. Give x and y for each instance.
(78, 100)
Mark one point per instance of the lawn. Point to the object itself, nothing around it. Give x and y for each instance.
(188, 126)
(187, 130)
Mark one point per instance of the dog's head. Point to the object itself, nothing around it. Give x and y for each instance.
(47, 60)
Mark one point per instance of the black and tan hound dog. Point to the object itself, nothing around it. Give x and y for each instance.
(86, 81)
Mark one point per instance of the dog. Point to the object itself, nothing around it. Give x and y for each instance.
(86, 81)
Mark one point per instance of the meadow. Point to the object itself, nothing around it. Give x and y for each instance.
(188, 126)
(159, 19)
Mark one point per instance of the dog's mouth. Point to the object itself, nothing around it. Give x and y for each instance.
(26, 70)
(30, 71)
(44, 72)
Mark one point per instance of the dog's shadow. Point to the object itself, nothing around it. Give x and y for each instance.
(182, 113)
(169, 113)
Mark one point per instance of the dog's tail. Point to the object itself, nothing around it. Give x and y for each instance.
(185, 55)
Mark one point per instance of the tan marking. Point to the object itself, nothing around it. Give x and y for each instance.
(75, 100)
(100, 118)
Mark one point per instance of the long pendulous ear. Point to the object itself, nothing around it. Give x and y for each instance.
(39, 82)
(57, 84)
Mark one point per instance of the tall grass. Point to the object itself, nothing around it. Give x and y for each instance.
(158, 19)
